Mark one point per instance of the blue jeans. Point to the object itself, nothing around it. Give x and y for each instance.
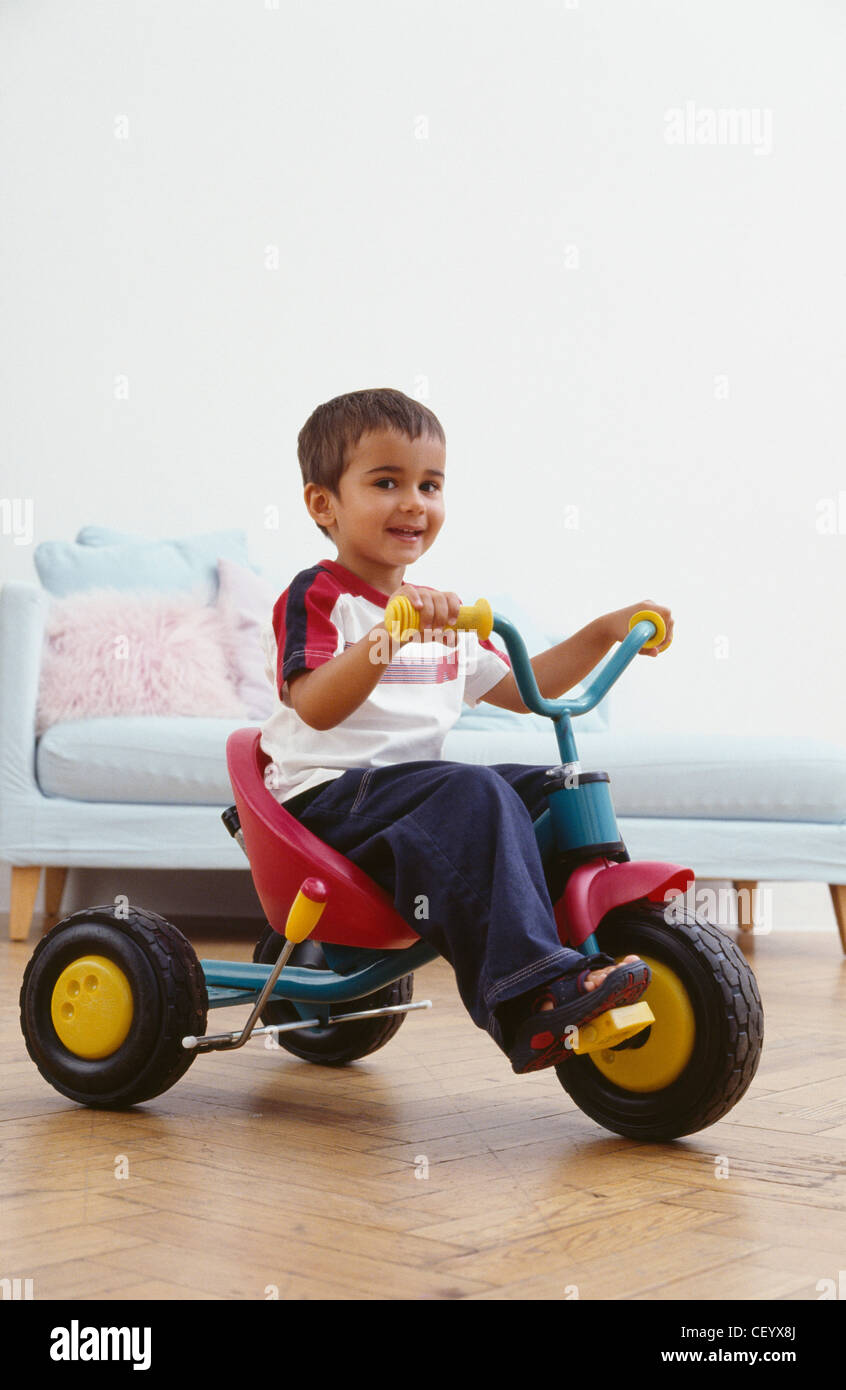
(454, 846)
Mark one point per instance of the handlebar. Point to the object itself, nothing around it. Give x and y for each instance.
(643, 633)
(646, 629)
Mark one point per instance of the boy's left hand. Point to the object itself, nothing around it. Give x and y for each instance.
(617, 624)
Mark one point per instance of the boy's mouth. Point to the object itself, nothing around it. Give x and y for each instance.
(406, 533)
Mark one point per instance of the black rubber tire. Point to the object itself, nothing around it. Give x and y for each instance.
(729, 1029)
(169, 1002)
(338, 1043)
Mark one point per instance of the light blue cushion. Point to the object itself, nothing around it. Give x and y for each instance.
(232, 544)
(719, 777)
(66, 567)
(107, 535)
(151, 760)
(487, 716)
(182, 760)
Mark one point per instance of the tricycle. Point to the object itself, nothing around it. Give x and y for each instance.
(114, 1001)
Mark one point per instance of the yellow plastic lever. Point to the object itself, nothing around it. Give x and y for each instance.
(660, 626)
(306, 910)
(401, 617)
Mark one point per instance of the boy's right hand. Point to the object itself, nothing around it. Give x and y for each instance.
(437, 610)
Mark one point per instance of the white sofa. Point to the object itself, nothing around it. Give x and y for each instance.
(148, 792)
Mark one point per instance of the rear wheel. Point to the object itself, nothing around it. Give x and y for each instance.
(693, 1064)
(337, 1043)
(105, 1003)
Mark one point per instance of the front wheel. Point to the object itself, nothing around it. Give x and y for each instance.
(693, 1064)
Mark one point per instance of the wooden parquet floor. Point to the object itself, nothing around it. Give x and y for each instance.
(429, 1171)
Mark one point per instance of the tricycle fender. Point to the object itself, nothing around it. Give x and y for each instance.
(593, 889)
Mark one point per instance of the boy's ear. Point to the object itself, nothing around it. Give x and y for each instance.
(320, 504)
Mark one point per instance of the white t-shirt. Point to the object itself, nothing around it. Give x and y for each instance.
(409, 712)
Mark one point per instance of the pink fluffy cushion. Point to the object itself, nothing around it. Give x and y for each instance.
(245, 604)
(109, 652)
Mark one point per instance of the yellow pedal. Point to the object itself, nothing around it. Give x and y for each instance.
(614, 1027)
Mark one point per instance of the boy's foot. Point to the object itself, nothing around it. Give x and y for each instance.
(540, 1028)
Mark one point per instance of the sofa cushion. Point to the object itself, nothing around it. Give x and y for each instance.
(109, 653)
(245, 606)
(190, 563)
(703, 776)
(176, 761)
(183, 760)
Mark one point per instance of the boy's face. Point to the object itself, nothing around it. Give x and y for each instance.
(391, 485)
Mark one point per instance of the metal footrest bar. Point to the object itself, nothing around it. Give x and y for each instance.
(388, 1009)
(220, 1042)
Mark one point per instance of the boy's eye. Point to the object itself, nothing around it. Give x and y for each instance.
(381, 481)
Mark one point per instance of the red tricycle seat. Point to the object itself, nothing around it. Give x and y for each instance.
(282, 853)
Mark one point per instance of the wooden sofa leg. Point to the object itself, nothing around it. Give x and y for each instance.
(838, 897)
(25, 881)
(746, 923)
(54, 887)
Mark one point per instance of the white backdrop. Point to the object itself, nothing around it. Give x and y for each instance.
(603, 240)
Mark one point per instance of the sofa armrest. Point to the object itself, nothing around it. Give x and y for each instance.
(23, 614)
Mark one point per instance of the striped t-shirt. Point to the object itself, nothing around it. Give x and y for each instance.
(407, 715)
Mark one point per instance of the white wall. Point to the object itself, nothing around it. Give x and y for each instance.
(476, 203)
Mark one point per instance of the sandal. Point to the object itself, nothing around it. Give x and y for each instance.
(545, 1037)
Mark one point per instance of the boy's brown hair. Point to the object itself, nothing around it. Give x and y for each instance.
(335, 427)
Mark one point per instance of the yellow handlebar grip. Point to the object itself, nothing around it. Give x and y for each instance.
(478, 616)
(306, 910)
(401, 616)
(660, 626)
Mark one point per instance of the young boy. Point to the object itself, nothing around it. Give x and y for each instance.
(360, 718)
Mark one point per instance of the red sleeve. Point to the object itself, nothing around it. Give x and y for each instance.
(305, 634)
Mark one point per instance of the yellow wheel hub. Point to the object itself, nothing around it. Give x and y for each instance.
(667, 1050)
(92, 1007)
